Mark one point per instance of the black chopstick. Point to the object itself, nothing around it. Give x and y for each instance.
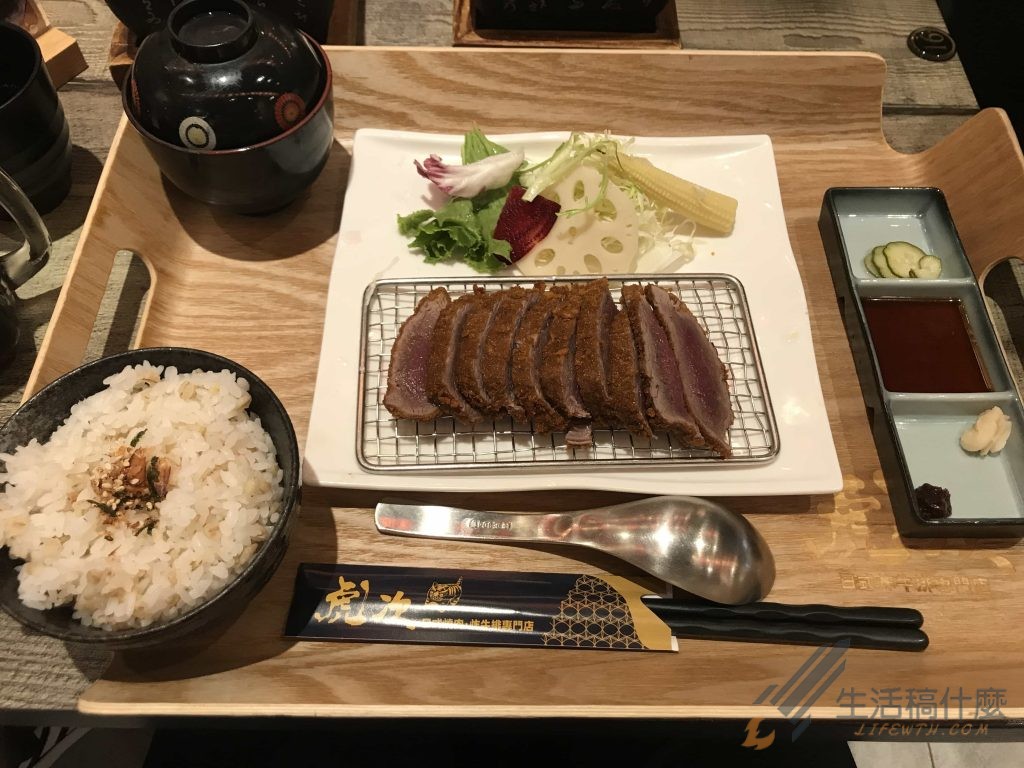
(880, 628)
(810, 614)
(878, 637)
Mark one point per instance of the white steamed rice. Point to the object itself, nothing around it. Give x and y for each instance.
(224, 493)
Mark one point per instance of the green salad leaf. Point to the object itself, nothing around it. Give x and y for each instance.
(461, 229)
(476, 146)
(488, 218)
(454, 232)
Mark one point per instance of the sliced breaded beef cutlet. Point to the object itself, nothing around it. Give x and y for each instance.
(526, 363)
(704, 378)
(496, 363)
(625, 388)
(665, 402)
(406, 396)
(469, 355)
(441, 387)
(593, 348)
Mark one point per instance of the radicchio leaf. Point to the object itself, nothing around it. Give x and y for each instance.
(470, 180)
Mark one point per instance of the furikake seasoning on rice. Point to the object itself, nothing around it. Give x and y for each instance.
(150, 497)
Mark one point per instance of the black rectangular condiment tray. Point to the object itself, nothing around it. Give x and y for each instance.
(927, 357)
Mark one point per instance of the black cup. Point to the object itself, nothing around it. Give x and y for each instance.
(35, 144)
(20, 264)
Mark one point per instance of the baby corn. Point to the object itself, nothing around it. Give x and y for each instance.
(706, 207)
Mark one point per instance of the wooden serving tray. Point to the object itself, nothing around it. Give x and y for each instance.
(254, 289)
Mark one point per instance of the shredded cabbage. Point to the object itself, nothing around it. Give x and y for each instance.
(571, 153)
(665, 237)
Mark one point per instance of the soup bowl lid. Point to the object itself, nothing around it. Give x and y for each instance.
(224, 75)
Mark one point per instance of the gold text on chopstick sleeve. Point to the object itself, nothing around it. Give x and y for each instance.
(340, 605)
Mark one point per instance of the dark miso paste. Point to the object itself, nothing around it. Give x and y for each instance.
(924, 345)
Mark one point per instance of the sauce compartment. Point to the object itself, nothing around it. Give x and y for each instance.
(926, 341)
(924, 345)
(982, 488)
(869, 216)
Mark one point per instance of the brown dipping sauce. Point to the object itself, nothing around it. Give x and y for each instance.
(924, 345)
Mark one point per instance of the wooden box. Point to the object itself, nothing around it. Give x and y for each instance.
(465, 31)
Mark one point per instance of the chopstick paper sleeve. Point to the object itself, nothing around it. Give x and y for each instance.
(375, 603)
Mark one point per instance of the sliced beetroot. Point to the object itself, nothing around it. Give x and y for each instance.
(524, 224)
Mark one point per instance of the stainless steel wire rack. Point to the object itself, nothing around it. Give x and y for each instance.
(384, 443)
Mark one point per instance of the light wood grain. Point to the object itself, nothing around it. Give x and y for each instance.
(985, 212)
(62, 55)
(822, 112)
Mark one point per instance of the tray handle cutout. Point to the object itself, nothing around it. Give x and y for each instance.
(102, 316)
(1002, 284)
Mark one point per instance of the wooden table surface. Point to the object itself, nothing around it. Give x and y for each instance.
(924, 101)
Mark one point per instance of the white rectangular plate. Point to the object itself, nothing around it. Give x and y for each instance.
(383, 183)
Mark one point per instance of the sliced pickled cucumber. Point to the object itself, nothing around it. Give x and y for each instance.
(881, 265)
(902, 257)
(928, 268)
(869, 263)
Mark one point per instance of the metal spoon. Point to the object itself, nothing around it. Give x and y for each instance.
(692, 543)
